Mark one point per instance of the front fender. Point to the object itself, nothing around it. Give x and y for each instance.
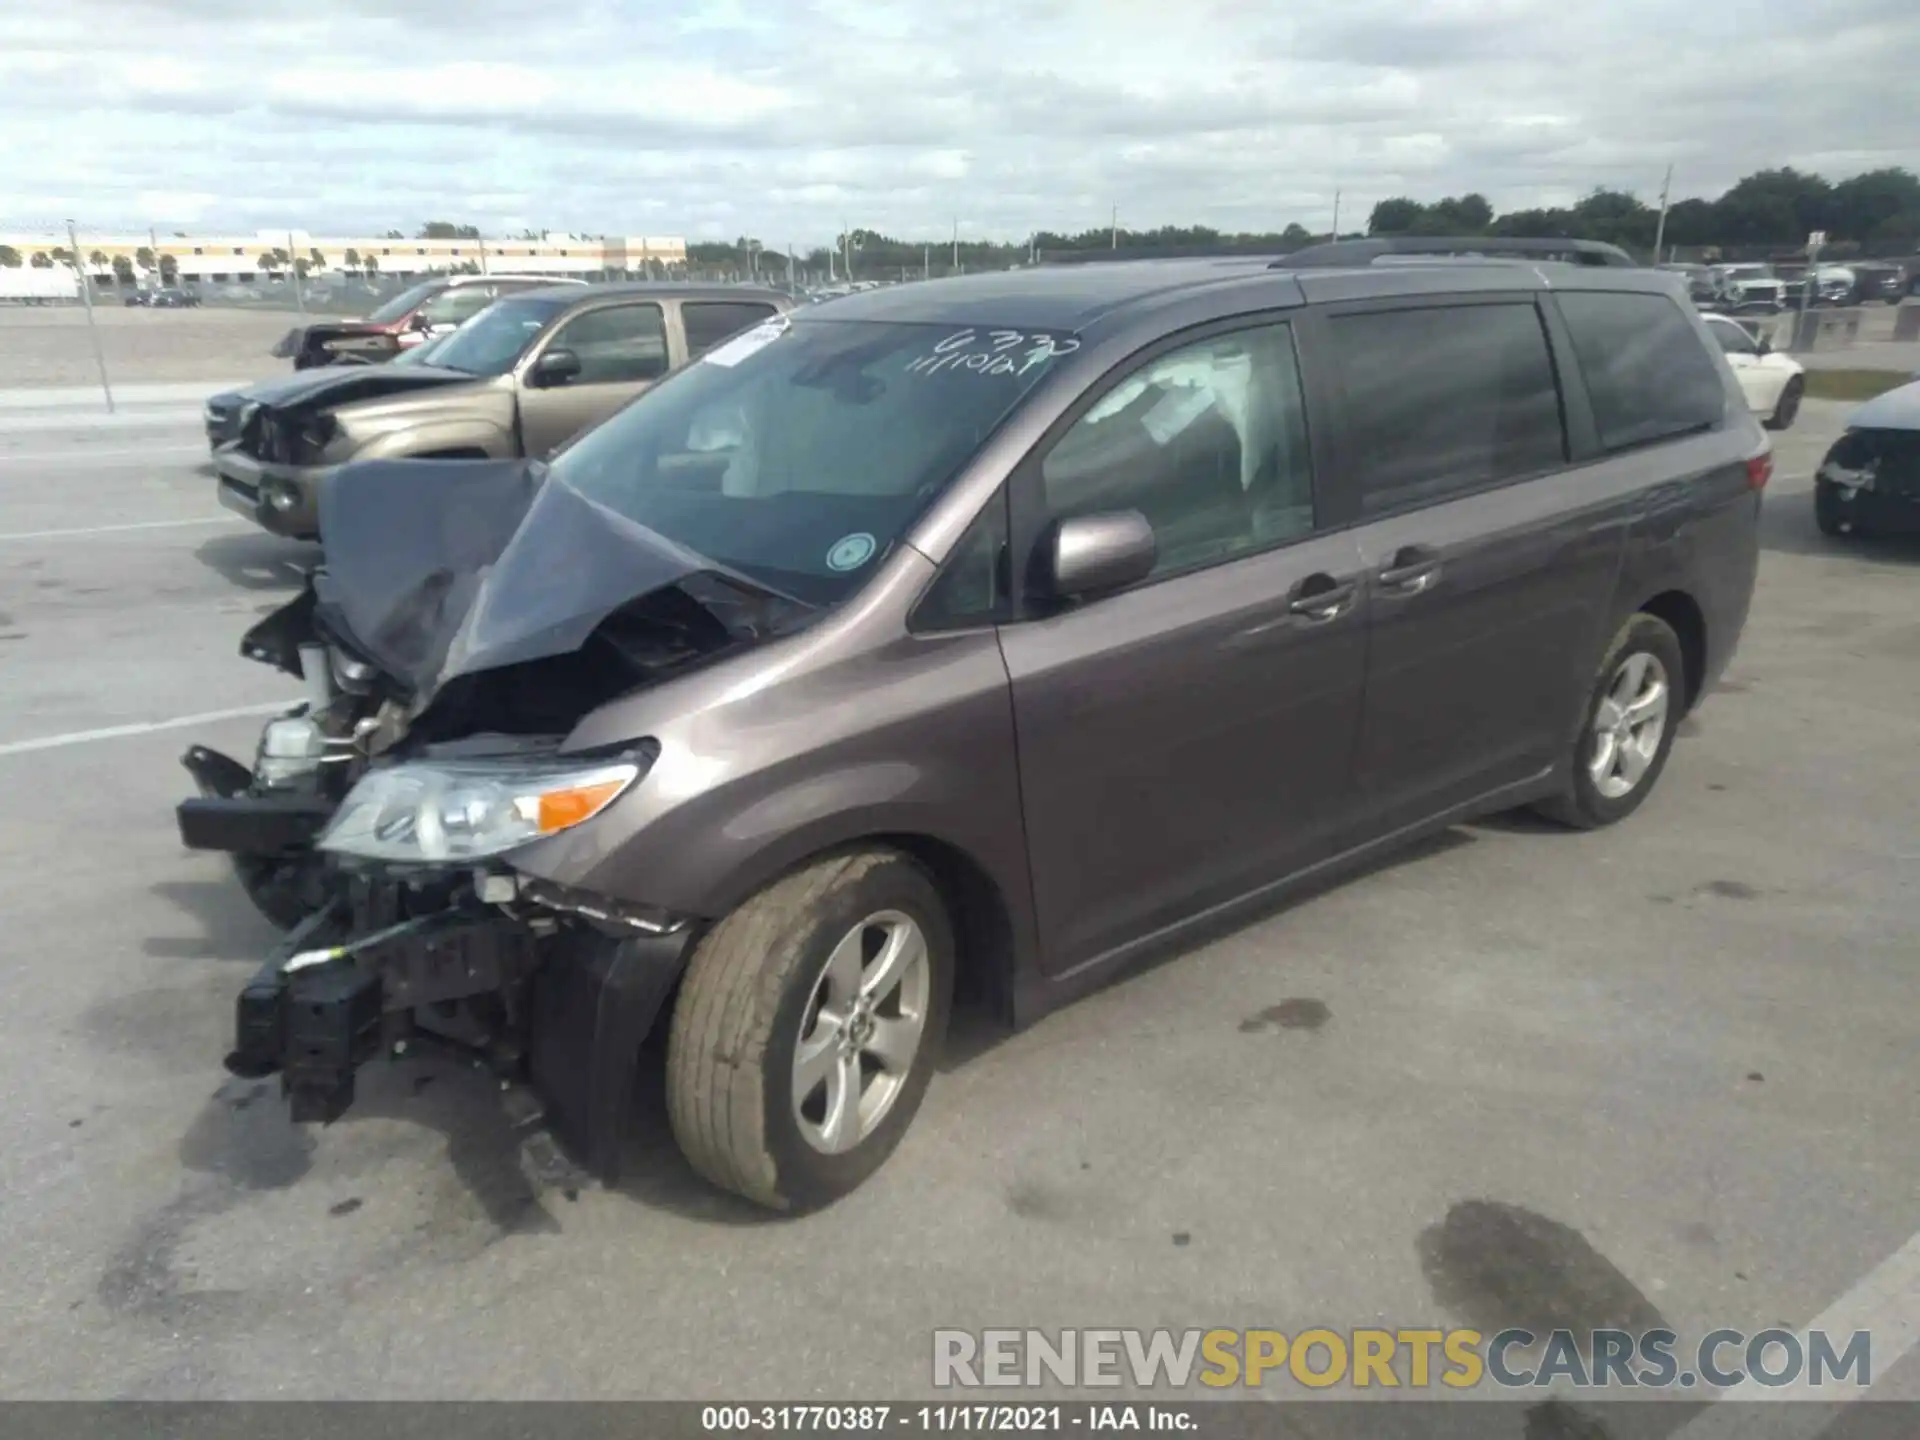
(794, 750)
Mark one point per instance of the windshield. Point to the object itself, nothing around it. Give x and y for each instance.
(403, 304)
(493, 340)
(798, 453)
(422, 354)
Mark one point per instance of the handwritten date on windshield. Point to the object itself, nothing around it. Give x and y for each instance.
(993, 352)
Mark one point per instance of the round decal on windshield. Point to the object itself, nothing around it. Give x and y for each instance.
(850, 552)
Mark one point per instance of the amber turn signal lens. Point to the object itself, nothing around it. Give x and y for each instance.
(562, 808)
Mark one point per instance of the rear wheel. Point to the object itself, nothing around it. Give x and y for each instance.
(1788, 406)
(1628, 729)
(807, 1028)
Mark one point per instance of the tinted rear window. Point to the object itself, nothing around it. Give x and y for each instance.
(708, 322)
(1447, 400)
(1649, 376)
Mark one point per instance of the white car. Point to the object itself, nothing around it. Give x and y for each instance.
(1773, 383)
(1746, 288)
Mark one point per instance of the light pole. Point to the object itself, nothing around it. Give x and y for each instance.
(86, 296)
(1660, 227)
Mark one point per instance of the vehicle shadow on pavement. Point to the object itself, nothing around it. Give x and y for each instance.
(975, 1029)
(243, 1137)
(227, 927)
(256, 560)
(1787, 527)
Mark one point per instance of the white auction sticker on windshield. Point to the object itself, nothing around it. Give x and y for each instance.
(750, 343)
(850, 552)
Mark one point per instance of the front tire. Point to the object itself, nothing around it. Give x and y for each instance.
(1788, 405)
(806, 1032)
(1627, 728)
(1828, 514)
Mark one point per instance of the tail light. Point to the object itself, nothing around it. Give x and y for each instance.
(1760, 470)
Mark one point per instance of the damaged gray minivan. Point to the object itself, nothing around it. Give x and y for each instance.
(985, 633)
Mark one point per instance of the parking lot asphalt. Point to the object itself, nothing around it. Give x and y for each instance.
(49, 345)
(1664, 1070)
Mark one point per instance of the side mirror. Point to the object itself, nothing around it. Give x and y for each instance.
(421, 323)
(1091, 554)
(556, 367)
(1762, 345)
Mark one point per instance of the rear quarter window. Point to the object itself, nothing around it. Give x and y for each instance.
(1648, 374)
(708, 322)
(1447, 399)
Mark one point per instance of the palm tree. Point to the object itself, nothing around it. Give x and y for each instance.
(351, 259)
(144, 258)
(122, 271)
(269, 261)
(97, 260)
(41, 260)
(9, 258)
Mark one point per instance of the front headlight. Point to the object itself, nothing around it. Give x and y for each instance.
(467, 811)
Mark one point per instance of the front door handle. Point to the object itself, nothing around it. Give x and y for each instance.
(1321, 597)
(1412, 569)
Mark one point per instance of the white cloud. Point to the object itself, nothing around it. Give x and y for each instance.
(717, 117)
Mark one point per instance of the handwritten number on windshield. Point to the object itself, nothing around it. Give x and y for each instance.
(996, 352)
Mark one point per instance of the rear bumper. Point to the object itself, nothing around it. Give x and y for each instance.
(252, 487)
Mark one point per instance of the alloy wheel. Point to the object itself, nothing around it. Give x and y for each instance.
(861, 1032)
(1628, 725)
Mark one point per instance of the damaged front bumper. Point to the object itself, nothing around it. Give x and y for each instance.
(554, 995)
(281, 499)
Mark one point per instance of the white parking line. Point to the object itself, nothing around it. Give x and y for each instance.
(120, 732)
(41, 457)
(1885, 1303)
(117, 529)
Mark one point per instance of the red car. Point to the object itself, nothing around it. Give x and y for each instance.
(420, 313)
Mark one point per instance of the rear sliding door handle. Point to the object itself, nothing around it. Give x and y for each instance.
(1412, 569)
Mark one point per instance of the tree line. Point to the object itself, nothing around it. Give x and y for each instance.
(1876, 212)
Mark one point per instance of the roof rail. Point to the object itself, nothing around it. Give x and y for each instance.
(1491, 247)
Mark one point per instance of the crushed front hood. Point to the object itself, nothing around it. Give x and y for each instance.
(296, 385)
(328, 386)
(440, 569)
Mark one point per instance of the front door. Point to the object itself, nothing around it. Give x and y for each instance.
(1188, 739)
(1489, 561)
(620, 350)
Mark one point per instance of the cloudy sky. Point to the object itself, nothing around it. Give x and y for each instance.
(782, 119)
